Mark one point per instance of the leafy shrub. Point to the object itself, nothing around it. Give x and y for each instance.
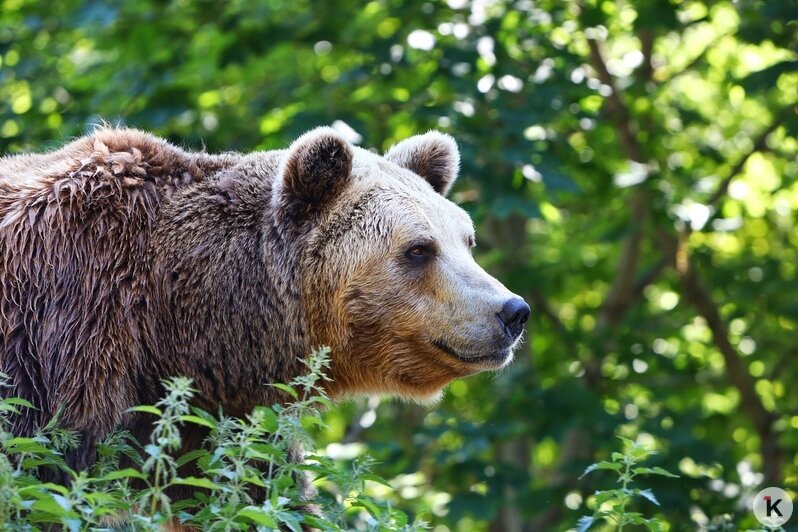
(232, 466)
(611, 505)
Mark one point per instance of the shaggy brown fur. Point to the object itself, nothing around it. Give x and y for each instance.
(125, 260)
(121, 263)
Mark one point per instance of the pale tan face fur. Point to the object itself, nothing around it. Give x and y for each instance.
(395, 290)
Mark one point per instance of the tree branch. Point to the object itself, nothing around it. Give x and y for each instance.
(647, 38)
(696, 293)
(621, 295)
(626, 127)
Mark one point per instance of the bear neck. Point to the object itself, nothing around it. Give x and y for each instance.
(231, 315)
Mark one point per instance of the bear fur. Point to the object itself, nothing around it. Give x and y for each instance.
(125, 260)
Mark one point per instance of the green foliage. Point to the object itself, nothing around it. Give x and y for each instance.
(611, 505)
(631, 167)
(249, 472)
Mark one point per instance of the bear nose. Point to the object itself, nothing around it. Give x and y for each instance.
(513, 316)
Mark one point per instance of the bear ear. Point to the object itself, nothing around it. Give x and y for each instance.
(434, 156)
(315, 170)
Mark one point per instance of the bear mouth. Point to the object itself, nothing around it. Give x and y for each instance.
(497, 358)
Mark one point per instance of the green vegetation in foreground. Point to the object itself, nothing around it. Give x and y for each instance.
(239, 455)
(231, 464)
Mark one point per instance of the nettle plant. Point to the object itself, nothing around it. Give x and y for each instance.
(231, 468)
(611, 505)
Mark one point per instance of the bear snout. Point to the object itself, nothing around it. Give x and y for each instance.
(514, 314)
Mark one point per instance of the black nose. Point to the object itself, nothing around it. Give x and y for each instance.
(513, 316)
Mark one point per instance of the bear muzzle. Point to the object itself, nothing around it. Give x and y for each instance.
(498, 351)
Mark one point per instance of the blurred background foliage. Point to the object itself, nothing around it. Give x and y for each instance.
(632, 170)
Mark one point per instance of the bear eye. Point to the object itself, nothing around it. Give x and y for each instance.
(419, 253)
(472, 242)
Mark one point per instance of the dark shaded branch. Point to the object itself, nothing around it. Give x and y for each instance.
(620, 296)
(647, 37)
(623, 118)
(697, 294)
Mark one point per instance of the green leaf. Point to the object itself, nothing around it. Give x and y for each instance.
(283, 482)
(199, 412)
(612, 466)
(291, 520)
(124, 473)
(324, 401)
(35, 490)
(317, 522)
(648, 494)
(146, 410)
(369, 506)
(609, 495)
(635, 518)
(313, 421)
(375, 478)
(257, 516)
(8, 408)
(198, 421)
(399, 518)
(653, 525)
(50, 506)
(268, 419)
(62, 502)
(654, 471)
(640, 453)
(287, 389)
(255, 480)
(196, 482)
(26, 445)
(19, 402)
(191, 456)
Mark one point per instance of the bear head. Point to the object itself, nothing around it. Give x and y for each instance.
(388, 279)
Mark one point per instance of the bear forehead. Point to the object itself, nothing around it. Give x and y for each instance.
(368, 165)
(371, 171)
(395, 201)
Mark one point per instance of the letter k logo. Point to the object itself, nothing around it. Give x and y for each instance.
(772, 506)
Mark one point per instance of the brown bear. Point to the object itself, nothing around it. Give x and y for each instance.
(125, 260)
